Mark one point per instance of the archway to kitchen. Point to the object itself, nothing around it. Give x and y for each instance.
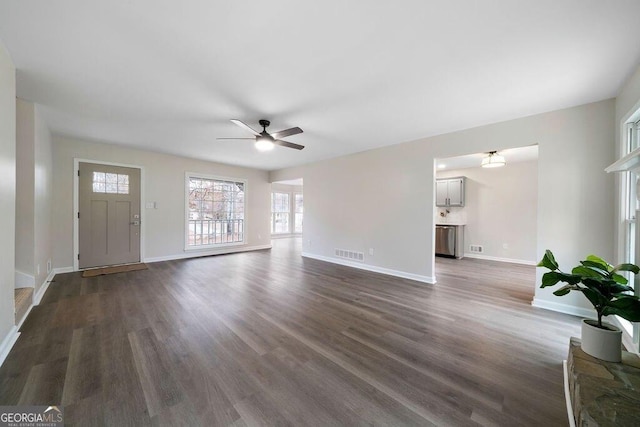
(486, 219)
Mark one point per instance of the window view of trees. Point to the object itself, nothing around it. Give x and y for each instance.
(280, 213)
(299, 208)
(216, 212)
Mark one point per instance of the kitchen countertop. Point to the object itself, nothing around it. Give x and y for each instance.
(451, 223)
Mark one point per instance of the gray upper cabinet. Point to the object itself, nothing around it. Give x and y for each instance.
(450, 191)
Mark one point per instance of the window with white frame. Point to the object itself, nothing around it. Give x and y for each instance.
(299, 209)
(280, 207)
(631, 206)
(215, 211)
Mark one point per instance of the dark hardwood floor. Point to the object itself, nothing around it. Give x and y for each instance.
(270, 338)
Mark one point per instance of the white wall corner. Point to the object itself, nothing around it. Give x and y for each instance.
(7, 343)
(24, 280)
(564, 308)
(387, 271)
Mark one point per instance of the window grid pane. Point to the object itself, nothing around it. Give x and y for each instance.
(110, 183)
(216, 212)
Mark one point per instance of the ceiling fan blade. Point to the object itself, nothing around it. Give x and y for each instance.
(245, 126)
(286, 132)
(253, 139)
(288, 144)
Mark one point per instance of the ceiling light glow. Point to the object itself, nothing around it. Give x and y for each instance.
(493, 160)
(264, 144)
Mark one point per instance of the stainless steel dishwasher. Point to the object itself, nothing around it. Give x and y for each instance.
(446, 240)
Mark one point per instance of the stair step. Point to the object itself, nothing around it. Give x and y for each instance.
(24, 299)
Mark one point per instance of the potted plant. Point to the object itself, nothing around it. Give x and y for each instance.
(607, 290)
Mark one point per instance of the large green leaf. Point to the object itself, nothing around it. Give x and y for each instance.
(548, 261)
(550, 279)
(627, 307)
(583, 271)
(564, 290)
(595, 265)
(618, 289)
(595, 297)
(627, 267)
(604, 265)
(619, 279)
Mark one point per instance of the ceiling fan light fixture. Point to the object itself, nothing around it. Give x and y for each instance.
(264, 144)
(493, 160)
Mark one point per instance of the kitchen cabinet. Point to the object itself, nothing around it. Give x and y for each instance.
(450, 191)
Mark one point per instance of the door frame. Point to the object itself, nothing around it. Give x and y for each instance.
(76, 206)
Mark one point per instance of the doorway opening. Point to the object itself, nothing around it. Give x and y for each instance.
(493, 210)
(287, 208)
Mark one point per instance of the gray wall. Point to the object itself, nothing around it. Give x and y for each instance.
(163, 183)
(384, 198)
(7, 192)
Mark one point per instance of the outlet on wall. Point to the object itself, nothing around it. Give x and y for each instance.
(371, 251)
(48, 266)
(38, 270)
(505, 246)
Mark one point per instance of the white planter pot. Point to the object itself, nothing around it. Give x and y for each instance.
(605, 344)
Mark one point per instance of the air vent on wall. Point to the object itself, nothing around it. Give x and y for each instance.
(475, 248)
(350, 255)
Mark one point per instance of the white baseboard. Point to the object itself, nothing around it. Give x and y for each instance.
(499, 259)
(285, 236)
(373, 268)
(43, 288)
(61, 270)
(564, 308)
(24, 280)
(8, 342)
(196, 254)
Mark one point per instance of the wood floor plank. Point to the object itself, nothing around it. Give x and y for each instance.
(271, 338)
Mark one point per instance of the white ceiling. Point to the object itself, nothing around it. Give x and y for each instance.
(167, 75)
(511, 156)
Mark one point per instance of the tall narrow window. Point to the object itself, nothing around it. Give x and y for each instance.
(215, 210)
(631, 202)
(299, 208)
(280, 213)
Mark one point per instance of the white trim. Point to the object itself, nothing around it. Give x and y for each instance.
(76, 207)
(187, 176)
(43, 288)
(24, 280)
(499, 259)
(221, 251)
(373, 268)
(567, 395)
(564, 308)
(61, 270)
(285, 235)
(8, 342)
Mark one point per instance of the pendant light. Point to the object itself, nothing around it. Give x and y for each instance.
(493, 160)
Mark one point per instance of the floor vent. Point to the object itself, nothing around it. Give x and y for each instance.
(350, 255)
(476, 249)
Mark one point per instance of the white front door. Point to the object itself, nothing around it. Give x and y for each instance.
(109, 215)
